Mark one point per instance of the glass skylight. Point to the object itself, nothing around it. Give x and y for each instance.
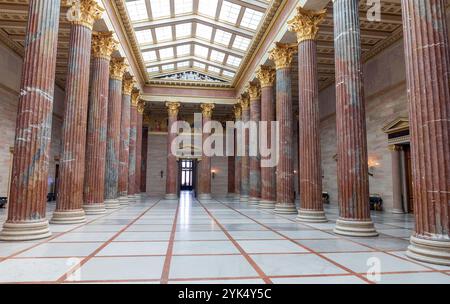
(183, 30)
(222, 37)
(160, 8)
(183, 64)
(213, 69)
(228, 74)
(234, 61)
(183, 50)
(149, 56)
(183, 7)
(201, 51)
(166, 53)
(163, 33)
(153, 69)
(230, 12)
(241, 43)
(199, 65)
(208, 8)
(144, 36)
(217, 56)
(137, 10)
(251, 19)
(204, 31)
(167, 67)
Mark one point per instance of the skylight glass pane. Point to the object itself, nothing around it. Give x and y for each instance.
(183, 64)
(204, 31)
(199, 65)
(149, 56)
(228, 74)
(160, 8)
(217, 56)
(229, 12)
(144, 36)
(168, 67)
(251, 19)
(234, 61)
(183, 30)
(201, 51)
(163, 33)
(183, 7)
(222, 37)
(153, 70)
(137, 10)
(241, 43)
(213, 69)
(183, 50)
(166, 53)
(208, 7)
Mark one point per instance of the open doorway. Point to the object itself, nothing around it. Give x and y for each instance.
(187, 175)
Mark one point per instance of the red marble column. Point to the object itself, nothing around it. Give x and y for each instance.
(245, 159)
(204, 186)
(427, 69)
(132, 146)
(172, 166)
(353, 178)
(124, 153)
(231, 174)
(305, 24)
(266, 76)
(144, 160)
(254, 91)
(69, 202)
(237, 158)
(28, 193)
(117, 69)
(140, 112)
(282, 55)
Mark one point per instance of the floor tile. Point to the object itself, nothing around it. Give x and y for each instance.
(276, 246)
(33, 270)
(84, 237)
(143, 236)
(414, 278)
(200, 235)
(320, 280)
(204, 247)
(134, 248)
(61, 250)
(335, 245)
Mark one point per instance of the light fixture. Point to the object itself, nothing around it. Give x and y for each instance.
(213, 172)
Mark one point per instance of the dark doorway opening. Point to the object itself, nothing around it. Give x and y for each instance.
(187, 175)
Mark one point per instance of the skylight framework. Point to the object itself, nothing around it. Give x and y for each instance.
(210, 36)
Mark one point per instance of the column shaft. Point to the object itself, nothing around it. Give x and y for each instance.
(132, 147)
(396, 179)
(124, 153)
(427, 69)
(245, 160)
(204, 189)
(138, 153)
(28, 195)
(237, 164)
(231, 175)
(172, 166)
(144, 159)
(255, 160)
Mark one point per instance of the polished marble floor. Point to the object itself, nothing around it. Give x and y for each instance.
(218, 241)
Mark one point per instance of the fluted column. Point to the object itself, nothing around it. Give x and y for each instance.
(245, 159)
(172, 166)
(306, 25)
(254, 91)
(204, 187)
(266, 76)
(124, 153)
(117, 69)
(132, 146)
(427, 69)
(144, 159)
(140, 112)
(353, 178)
(237, 158)
(28, 195)
(69, 202)
(282, 55)
(396, 179)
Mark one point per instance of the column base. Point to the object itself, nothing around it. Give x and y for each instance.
(429, 251)
(243, 198)
(254, 201)
(94, 209)
(285, 209)
(112, 204)
(311, 216)
(237, 197)
(123, 201)
(230, 195)
(204, 196)
(171, 197)
(68, 217)
(264, 204)
(25, 231)
(355, 228)
(398, 211)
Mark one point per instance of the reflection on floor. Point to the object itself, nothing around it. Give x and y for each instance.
(219, 241)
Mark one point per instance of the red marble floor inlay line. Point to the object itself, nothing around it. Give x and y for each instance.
(168, 260)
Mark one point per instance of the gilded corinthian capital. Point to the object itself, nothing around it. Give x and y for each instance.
(282, 55)
(266, 75)
(103, 45)
(237, 111)
(117, 68)
(254, 91)
(244, 100)
(306, 24)
(128, 85)
(141, 106)
(135, 98)
(83, 12)
(207, 109)
(173, 108)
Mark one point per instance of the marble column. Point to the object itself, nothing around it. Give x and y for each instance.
(396, 179)
(237, 158)
(427, 69)
(26, 218)
(266, 76)
(352, 163)
(124, 153)
(254, 91)
(245, 159)
(231, 176)
(144, 159)
(204, 186)
(306, 25)
(282, 55)
(140, 112)
(132, 146)
(172, 166)
(117, 69)
(69, 201)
